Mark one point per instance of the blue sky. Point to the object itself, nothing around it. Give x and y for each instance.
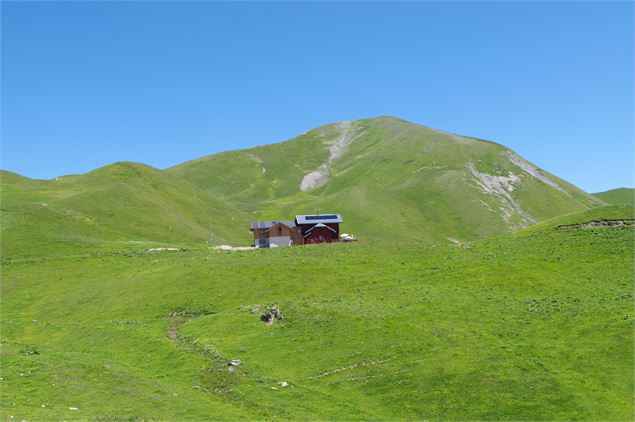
(85, 84)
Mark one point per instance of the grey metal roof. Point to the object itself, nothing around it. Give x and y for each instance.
(319, 218)
(270, 224)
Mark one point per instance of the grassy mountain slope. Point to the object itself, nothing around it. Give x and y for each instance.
(391, 180)
(619, 196)
(10, 178)
(120, 205)
(537, 325)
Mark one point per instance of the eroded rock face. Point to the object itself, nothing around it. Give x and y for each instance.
(533, 171)
(273, 315)
(501, 187)
(347, 134)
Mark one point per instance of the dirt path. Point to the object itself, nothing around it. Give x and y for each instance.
(173, 328)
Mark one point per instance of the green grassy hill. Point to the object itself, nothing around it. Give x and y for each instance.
(391, 180)
(120, 206)
(536, 325)
(619, 196)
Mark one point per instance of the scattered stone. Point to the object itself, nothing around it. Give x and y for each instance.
(283, 383)
(609, 223)
(272, 316)
(273, 388)
(597, 223)
(163, 249)
(74, 409)
(232, 364)
(254, 310)
(233, 248)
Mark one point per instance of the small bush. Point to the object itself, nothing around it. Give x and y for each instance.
(29, 350)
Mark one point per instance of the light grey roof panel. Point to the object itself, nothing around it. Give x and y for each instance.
(269, 224)
(319, 218)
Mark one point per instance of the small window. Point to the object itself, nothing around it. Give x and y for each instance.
(279, 229)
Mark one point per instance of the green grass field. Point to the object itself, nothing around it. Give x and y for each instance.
(536, 325)
(619, 196)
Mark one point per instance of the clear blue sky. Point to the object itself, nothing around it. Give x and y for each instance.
(85, 84)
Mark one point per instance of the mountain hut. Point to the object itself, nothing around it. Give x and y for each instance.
(304, 230)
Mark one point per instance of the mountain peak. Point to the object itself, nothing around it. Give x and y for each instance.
(393, 178)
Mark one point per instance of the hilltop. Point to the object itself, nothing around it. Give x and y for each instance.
(119, 206)
(391, 179)
(536, 325)
(619, 196)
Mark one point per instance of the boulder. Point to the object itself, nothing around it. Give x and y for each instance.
(271, 316)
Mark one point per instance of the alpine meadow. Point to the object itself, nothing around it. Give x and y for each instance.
(481, 288)
(317, 211)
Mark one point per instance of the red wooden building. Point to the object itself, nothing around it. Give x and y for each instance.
(320, 228)
(304, 230)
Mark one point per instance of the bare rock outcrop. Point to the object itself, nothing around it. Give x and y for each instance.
(319, 177)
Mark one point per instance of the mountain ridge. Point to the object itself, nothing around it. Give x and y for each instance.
(123, 205)
(395, 151)
(617, 196)
(391, 179)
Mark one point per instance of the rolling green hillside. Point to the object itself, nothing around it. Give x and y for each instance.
(536, 325)
(391, 180)
(620, 196)
(118, 206)
(414, 322)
